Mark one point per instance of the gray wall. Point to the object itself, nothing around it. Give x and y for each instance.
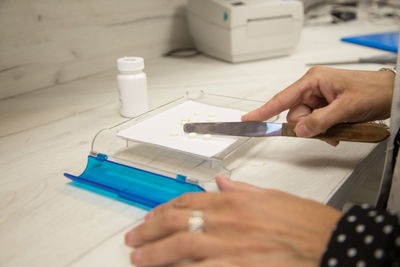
(47, 42)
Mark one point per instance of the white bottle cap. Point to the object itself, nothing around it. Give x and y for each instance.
(130, 63)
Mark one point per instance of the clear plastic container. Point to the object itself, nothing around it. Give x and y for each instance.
(148, 174)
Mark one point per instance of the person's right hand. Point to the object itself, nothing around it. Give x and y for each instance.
(325, 96)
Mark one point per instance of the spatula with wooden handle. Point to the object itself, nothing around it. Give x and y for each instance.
(353, 132)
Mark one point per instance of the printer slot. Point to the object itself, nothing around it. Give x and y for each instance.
(269, 26)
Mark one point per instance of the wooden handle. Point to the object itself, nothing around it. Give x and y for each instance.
(353, 132)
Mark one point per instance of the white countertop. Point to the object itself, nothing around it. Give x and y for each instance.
(44, 221)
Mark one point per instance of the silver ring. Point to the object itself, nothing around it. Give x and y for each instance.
(196, 222)
(392, 70)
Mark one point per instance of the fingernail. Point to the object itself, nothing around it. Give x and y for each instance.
(128, 238)
(302, 130)
(244, 116)
(135, 256)
(221, 176)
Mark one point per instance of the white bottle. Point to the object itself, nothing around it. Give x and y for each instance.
(132, 84)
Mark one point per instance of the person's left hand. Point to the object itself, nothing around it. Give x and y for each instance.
(243, 226)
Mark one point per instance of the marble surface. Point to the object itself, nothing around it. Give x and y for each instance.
(45, 221)
(45, 43)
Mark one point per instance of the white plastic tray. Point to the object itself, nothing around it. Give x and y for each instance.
(166, 129)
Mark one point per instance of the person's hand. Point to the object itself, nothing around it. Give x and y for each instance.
(243, 226)
(325, 96)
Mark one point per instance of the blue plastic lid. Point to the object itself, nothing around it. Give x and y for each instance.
(139, 186)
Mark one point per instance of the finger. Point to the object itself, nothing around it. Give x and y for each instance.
(226, 184)
(199, 201)
(300, 112)
(173, 216)
(297, 113)
(273, 107)
(286, 99)
(187, 200)
(322, 119)
(181, 246)
(254, 259)
(159, 226)
(220, 262)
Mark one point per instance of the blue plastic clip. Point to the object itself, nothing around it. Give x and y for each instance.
(145, 188)
(181, 178)
(101, 156)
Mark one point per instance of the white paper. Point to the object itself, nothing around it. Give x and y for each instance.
(159, 129)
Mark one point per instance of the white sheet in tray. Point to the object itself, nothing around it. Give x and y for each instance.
(160, 129)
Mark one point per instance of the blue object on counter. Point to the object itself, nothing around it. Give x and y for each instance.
(145, 188)
(385, 41)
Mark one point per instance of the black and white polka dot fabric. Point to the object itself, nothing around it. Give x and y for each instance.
(364, 237)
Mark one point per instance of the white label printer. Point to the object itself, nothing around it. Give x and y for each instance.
(237, 31)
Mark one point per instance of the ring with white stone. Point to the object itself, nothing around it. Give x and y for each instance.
(195, 222)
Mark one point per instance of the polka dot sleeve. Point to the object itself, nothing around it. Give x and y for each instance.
(364, 237)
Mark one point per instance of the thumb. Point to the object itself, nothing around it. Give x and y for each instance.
(321, 119)
(225, 184)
